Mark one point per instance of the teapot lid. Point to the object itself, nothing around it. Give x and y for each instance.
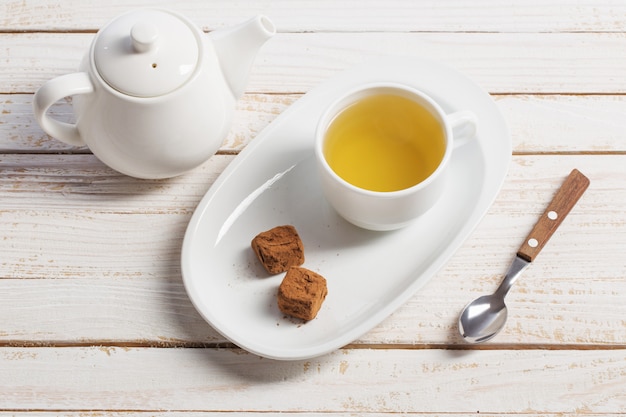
(146, 53)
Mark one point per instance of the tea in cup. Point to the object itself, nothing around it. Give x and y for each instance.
(383, 151)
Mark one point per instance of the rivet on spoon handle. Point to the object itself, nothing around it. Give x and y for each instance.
(562, 203)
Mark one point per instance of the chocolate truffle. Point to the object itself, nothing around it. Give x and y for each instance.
(301, 293)
(279, 248)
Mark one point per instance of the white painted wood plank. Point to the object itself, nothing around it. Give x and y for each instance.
(69, 224)
(329, 15)
(537, 123)
(357, 381)
(83, 184)
(559, 123)
(293, 63)
(282, 414)
(119, 310)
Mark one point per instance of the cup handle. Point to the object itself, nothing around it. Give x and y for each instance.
(464, 126)
(53, 91)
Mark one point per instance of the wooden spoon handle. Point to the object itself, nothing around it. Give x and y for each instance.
(562, 203)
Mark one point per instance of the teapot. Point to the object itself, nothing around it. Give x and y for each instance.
(154, 96)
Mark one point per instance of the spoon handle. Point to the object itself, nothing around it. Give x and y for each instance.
(562, 203)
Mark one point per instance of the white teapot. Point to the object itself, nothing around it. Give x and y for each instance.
(155, 96)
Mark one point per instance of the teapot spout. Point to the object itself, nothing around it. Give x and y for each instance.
(237, 47)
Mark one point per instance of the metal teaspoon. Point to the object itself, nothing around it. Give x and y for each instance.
(484, 317)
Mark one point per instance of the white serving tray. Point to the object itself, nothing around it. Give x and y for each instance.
(273, 181)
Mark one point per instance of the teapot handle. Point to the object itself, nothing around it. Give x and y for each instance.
(53, 91)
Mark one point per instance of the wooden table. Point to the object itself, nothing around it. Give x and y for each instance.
(94, 318)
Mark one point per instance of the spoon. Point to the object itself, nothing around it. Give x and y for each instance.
(484, 317)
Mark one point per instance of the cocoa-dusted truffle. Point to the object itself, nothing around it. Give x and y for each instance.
(301, 293)
(279, 248)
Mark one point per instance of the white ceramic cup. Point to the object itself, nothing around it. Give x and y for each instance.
(389, 210)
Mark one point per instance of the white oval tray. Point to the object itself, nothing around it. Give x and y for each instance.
(369, 274)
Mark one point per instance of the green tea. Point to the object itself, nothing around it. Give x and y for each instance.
(384, 143)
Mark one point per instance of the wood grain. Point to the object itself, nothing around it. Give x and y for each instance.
(108, 378)
(346, 16)
(589, 63)
(555, 213)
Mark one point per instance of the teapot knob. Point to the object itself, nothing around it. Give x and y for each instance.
(144, 36)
